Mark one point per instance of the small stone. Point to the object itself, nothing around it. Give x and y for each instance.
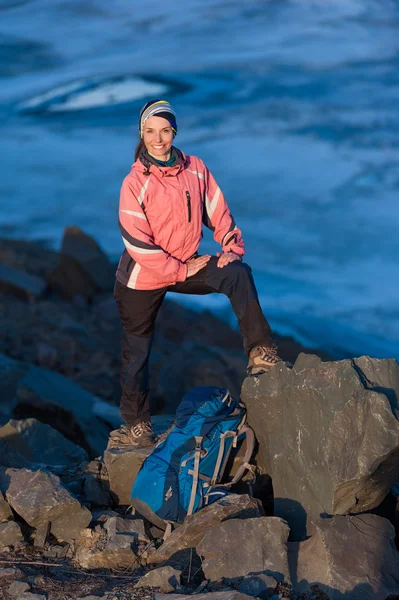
(258, 584)
(10, 535)
(167, 579)
(41, 535)
(17, 588)
(223, 595)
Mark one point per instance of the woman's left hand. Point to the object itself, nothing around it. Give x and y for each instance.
(226, 257)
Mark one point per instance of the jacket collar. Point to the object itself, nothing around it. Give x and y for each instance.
(146, 163)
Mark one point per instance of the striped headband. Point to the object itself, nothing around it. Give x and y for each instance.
(161, 108)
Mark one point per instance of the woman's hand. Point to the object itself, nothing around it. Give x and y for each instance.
(226, 257)
(196, 264)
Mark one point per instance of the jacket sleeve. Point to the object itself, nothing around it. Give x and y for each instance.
(138, 237)
(217, 217)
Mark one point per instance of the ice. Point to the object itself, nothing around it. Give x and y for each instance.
(292, 105)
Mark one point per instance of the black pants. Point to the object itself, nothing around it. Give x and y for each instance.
(138, 310)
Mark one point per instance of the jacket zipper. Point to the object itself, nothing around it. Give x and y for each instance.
(188, 205)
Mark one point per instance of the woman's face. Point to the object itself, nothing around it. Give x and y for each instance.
(158, 137)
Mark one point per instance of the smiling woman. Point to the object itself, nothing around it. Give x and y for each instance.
(164, 201)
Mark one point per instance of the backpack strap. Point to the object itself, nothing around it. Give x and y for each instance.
(197, 456)
(245, 465)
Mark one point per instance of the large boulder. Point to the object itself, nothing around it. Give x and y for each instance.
(328, 435)
(39, 498)
(349, 557)
(195, 526)
(30, 391)
(27, 442)
(237, 548)
(84, 268)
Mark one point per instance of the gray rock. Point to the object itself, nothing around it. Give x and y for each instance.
(39, 497)
(41, 535)
(237, 548)
(167, 579)
(192, 531)
(93, 486)
(259, 585)
(10, 572)
(111, 546)
(5, 510)
(123, 465)
(31, 596)
(327, 436)
(224, 595)
(27, 442)
(19, 283)
(10, 535)
(350, 556)
(56, 400)
(17, 588)
(125, 533)
(84, 269)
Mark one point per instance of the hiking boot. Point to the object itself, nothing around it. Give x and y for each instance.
(142, 435)
(261, 360)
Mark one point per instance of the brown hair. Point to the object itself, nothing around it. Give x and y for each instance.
(140, 146)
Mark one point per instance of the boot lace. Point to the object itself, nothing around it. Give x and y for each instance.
(143, 428)
(269, 354)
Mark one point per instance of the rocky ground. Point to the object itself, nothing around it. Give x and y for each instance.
(321, 524)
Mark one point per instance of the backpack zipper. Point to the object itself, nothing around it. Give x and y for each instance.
(188, 205)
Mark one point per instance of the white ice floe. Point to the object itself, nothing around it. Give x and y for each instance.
(89, 93)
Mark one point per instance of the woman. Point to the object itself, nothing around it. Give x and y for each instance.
(164, 201)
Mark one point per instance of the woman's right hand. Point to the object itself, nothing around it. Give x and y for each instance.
(196, 264)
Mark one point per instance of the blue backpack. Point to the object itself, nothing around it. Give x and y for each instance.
(183, 473)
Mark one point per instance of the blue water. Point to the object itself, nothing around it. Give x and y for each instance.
(291, 103)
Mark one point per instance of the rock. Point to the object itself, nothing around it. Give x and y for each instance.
(21, 284)
(31, 257)
(339, 452)
(93, 487)
(30, 596)
(84, 269)
(5, 510)
(100, 516)
(224, 595)
(123, 533)
(10, 535)
(122, 465)
(27, 442)
(259, 585)
(38, 497)
(192, 531)
(262, 548)
(54, 400)
(167, 579)
(123, 461)
(112, 546)
(17, 588)
(41, 534)
(350, 556)
(10, 572)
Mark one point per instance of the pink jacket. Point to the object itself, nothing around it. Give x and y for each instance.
(161, 213)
